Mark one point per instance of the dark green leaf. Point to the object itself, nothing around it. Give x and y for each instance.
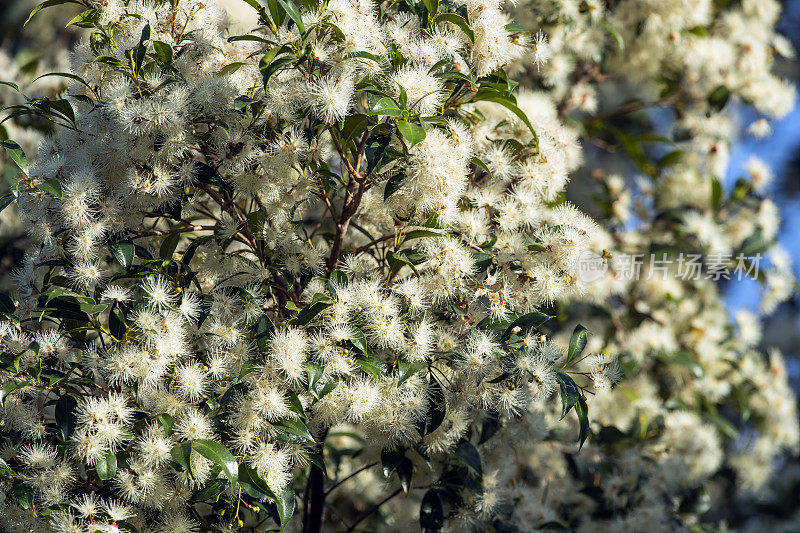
(116, 323)
(46, 4)
(459, 21)
(336, 279)
(490, 426)
(570, 394)
(407, 369)
(372, 366)
(436, 406)
(353, 126)
(405, 471)
(285, 505)
(169, 245)
(413, 133)
(308, 313)
(124, 252)
(718, 98)
(219, 455)
(182, 454)
(9, 387)
(163, 52)
(6, 200)
(359, 341)
(16, 154)
(106, 466)
(66, 417)
(253, 484)
(209, 491)
(167, 422)
(576, 343)
(385, 106)
(393, 184)
(525, 323)
(583, 419)
(295, 429)
(467, 452)
(264, 331)
(390, 460)
(51, 186)
(294, 13)
(431, 514)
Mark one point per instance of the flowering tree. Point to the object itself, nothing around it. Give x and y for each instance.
(243, 248)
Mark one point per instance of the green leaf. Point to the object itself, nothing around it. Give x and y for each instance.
(106, 467)
(264, 331)
(436, 406)
(46, 4)
(570, 394)
(220, 456)
(489, 427)
(576, 343)
(308, 313)
(524, 323)
(420, 234)
(671, 159)
(167, 422)
(296, 430)
(393, 184)
(505, 101)
(285, 505)
(719, 97)
(51, 186)
(337, 279)
(85, 19)
(163, 52)
(116, 323)
(6, 200)
(390, 460)
(459, 21)
(182, 454)
(618, 40)
(359, 341)
(230, 68)
(253, 484)
(24, 494)
(124, 252)
(353, 126)
(9, 387)
(431, 514)
(405, 471)
(413, 133)
(432, 6)
(314, 372)
(386, 106)
(168, 246)
(16, 154)
(294, 13)
(372, 366)
(477, 161)
(295, 405)
(268, 70)
(467, 452)
(583, 419)
(406, 370)
(209, 491)
(716, 193)
(66, 417)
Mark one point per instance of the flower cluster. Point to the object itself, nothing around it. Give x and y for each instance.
(242, 245)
